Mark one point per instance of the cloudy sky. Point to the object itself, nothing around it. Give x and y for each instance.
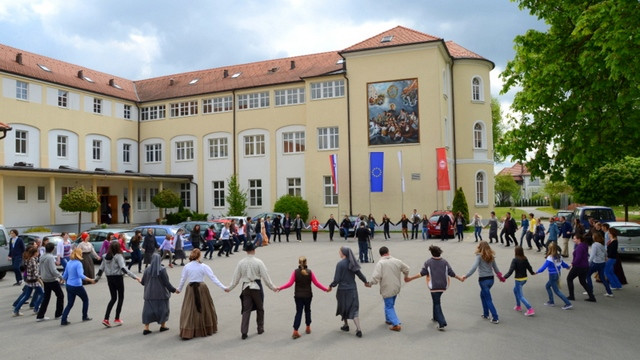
(139, 39)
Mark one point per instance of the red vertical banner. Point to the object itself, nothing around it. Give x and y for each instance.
(443, 169)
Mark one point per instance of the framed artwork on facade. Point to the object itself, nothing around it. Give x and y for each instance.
(392, 109)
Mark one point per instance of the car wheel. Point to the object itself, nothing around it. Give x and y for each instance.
(2, 274)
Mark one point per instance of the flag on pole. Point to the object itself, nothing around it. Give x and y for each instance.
(443, 169)
(333, 159)
(376, 170)
(401, 173)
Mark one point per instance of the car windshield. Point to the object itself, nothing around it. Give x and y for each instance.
(434, 218)
(629, 231)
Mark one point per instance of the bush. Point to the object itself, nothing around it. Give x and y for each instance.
(37, 229)
(460, 205)
(292, 205)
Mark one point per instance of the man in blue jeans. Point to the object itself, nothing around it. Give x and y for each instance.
(362, 234)
(388, 273)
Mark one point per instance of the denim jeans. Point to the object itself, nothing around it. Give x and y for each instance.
(478, 232)
(24, 296)
(364, 251)
(517, 291)
(72, 292)
(599, 268)
(614, 282)
(425, 233)
(437, 308)
(460, 231)
(552, 284)
(390, 311)
(485, 296)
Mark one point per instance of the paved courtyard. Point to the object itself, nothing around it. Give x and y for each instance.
(606, 329)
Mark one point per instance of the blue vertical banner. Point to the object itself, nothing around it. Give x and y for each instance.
(376, 162)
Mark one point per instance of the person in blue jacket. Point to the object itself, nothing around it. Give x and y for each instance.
(16, 250)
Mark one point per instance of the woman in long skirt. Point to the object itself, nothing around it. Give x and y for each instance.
(198, 315)
(347, 293)
(157, 291)
(88, 254)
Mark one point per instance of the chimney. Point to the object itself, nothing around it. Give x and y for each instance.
(225, 74)
(171, 82)
(293, 64)
(19, 58)
(80, 74)
(111, 82)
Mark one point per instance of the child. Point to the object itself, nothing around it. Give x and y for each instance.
(302, 277)
(520, 265)
(436, 269)
(166, 247)
(486, 264)
(554, 263)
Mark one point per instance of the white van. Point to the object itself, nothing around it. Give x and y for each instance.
(5, 263)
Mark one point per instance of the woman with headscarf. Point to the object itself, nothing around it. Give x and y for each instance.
(347, 294)
(198, 315)
(157, 291)
(88, 254)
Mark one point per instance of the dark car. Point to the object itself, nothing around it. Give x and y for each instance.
(568, 214)
(204, 225)
(600, 213)
(161, 231)
(352, 229)
(434, 227)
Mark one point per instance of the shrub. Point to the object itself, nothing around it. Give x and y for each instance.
(460, 205)
(292, 205)
(38, 229)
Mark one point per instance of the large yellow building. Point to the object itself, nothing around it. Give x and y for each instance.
(274, 123)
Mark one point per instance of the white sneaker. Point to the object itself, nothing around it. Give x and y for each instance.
(43, 319)
(584, 293)
(608, 295)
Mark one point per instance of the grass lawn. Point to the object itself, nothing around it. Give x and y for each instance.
(515, 213)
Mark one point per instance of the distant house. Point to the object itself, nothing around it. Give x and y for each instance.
(530, 186)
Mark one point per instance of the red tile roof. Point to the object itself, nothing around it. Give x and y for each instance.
(400, 36)
(517, 171)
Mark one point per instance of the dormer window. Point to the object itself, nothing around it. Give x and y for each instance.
(44, 68)
(194, 81)
(236, 75)
(387, 39)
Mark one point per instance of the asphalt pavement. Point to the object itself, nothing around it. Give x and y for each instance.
(605, 329)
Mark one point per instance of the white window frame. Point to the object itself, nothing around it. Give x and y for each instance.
(22, 90)
(328, 138)
(127, 112)
(218, 194)
(153, 153)
(97, 106)
(21, 194)
(184, 150)
(63, 99)
(287, 97)
(62, 144)
(481, 188)
(153, 112)
(256, 100)
(22, 142)
(96, 150)
(254, 145)
(255, 192)
(479, 135)
(293, 142)
(41, 193)
(218, 148)
(330, 198)
(217, 104)
(327, 89)
(184, 108)
(185, 194)
(141, 198)
(477, 89)
(294, 186)
(126, 153)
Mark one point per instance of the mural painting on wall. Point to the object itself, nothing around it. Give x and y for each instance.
(393, 112)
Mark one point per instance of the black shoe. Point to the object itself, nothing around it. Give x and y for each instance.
(591, 299)
(65, 323)
(359, 333)
(87, 319)
(345, 328)
(571, 298)
(146, 332)
(244, 336)
(163, 329)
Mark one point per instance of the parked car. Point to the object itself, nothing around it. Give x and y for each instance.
(97, 237)
(160, 231)
(28, 238)
(434, 227)
(600, 213)
(352, 229)
(629, 238)
(217, 227)
(264, 215)
(5, 263)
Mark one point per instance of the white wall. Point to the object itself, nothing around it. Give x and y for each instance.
(72, 149)
(215, 169)
(105, 159)
(33, 146)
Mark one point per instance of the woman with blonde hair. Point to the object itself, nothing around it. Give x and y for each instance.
(198, 315)
(486, 265)
(303, 278)
(74, 276)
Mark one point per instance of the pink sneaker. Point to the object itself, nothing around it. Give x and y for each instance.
(117, 322)
(530, 312)
(517, 308)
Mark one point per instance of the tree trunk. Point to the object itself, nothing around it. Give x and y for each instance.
(626, 212)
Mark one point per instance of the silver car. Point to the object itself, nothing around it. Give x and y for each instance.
(629, 238)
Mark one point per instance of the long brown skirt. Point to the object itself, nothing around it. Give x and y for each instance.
(196, 322)
(87, 265)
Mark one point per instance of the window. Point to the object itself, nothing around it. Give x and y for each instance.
(293, 142)
(219, 104)
(254, 145)
(42, 195)
(186, 108)
(328, 138)
(478, 136)
(480, 189)
(327, 89)
(64, 190)
(218, 194)
(22, 193)
(63, 98)
(21, 142)
(184, 150)
(255, 192)
(152, 193)
(330, 198)
(253, 101)
(152, 112)
(97, 149)
(62, 142)
(127, 112)
(22, 90)
(126, 153)
(185, 194)
(289, 96)
(294, 186)
(97, 106)
(141, 199)
(153, 152)
(476, 89)
(218, 148)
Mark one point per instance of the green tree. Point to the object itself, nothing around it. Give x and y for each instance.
(236, 198)
(555, 189)
(460, 205)
(578, 107)
(614, 184)
(497, 127)
(167, 199)
(80, 200)
(292, 205)
(506, 189)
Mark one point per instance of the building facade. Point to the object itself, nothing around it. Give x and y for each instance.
(273, 123)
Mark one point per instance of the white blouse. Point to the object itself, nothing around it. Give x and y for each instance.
(195, 271)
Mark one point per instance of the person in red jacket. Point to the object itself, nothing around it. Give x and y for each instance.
(314, 224)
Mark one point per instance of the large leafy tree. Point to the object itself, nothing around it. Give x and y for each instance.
(578, 107)
(506, 189)
(614, 184)
(166, 199)
(80, 200)
(497, 127)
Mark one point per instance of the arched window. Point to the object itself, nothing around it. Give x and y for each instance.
(481, 188)
(476, 89)
(478, 136)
